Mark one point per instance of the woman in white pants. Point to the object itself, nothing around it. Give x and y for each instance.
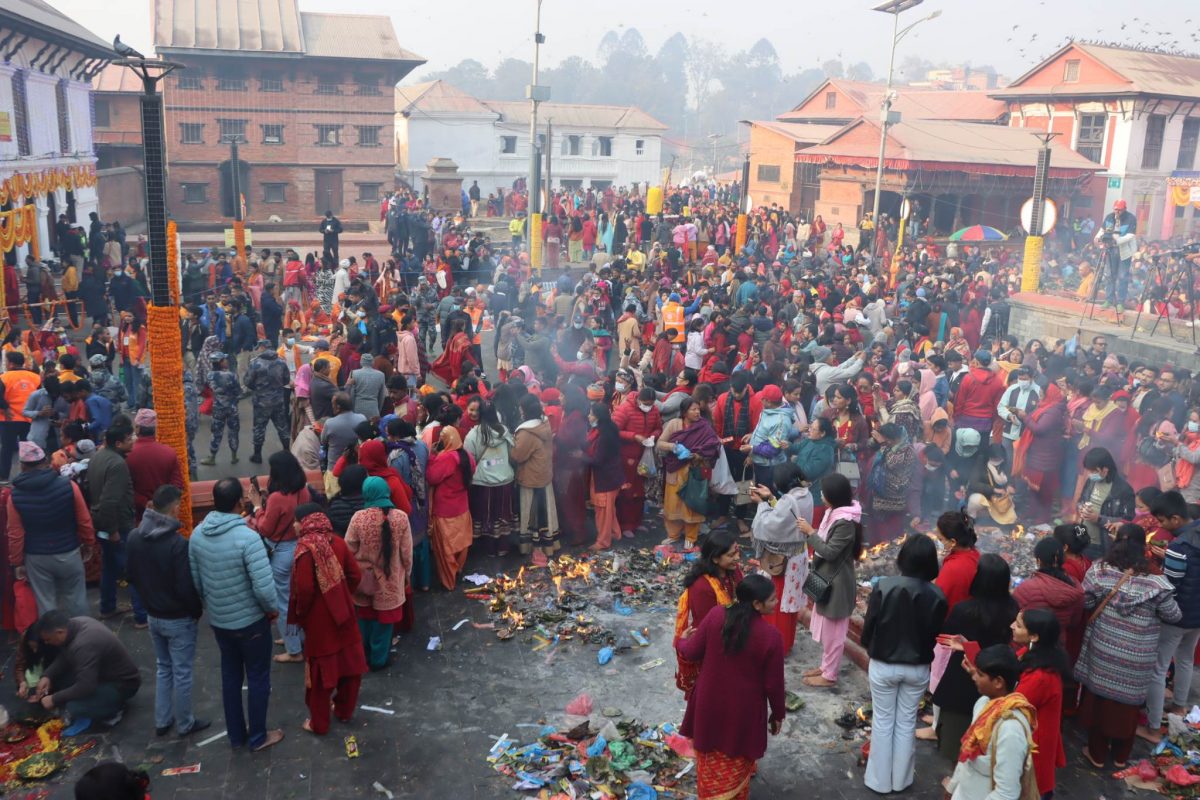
(903, 618)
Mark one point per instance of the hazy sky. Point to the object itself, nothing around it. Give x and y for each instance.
(804, 32)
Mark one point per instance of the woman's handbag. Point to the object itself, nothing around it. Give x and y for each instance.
(744, 486)
(847, 465)
(695, 492)
(816, 587)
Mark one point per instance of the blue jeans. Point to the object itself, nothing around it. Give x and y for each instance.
(131, 376)
(175, 654)
(112, 568)
(282, 556)
(245, 653)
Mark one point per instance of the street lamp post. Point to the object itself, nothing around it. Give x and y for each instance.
(895, 8)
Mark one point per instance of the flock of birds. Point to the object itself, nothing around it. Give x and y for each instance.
(1167, 43)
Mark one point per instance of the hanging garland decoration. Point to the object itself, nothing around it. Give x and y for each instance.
(36, 184)
(165, 343)
(17, 226)
(172, 263)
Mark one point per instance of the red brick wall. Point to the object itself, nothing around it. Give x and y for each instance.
(298, 109)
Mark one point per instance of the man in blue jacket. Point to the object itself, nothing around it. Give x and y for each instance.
(233, 577)
(1181, 566)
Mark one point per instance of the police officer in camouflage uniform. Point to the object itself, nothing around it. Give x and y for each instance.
(191, 408)
(226, 390)
(267, 380)
(425, 301)
(105, 384)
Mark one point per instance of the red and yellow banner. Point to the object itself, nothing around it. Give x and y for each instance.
(36, 184)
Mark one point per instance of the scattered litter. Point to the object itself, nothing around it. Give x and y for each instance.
(793, 702)
(351, 746)
(484, 626)
(640, 638)
(691, 765)
(461, 622)
(191, 769)
(604, 656)
(378, 710)
(435, 643)
(581, 706)
(658, 662)
(621, 608)
(379, 787)
(213, 738)
(478, 580)
(612, 712)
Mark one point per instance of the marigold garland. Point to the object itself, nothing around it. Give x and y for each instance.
(172, 263)
(36, 184)
(165, 343)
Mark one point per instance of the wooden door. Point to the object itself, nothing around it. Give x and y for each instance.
(327, 185)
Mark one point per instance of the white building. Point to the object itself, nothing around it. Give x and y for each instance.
(1137, 112)
(47, 61)
(596, 146)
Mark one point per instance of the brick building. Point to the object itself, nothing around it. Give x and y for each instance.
(309, 98)
(117, 118)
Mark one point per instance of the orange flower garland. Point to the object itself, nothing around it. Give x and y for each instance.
(36, 184)
(165, 343)
(172, 263)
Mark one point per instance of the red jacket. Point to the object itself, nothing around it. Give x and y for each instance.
(954, 579)
(635, 425)
(445, 479)
(151, 464)
(1043, 689)
(719, 412)
(978, 394)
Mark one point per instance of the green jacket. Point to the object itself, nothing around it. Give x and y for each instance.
(111, 488)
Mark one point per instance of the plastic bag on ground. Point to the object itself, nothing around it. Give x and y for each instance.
(581, 706)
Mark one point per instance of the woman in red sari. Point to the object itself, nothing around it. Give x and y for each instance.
(741, 677)
(449, 364)
(324, 578)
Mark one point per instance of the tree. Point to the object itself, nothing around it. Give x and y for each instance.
(509, 79)
(468, 75)
(860, 72)
(833, 68)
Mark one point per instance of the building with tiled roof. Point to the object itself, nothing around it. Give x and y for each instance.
(1134, 111)
(591, 145)
(308, 97)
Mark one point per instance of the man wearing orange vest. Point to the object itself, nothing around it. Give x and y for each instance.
(17, 384)
(672, 318)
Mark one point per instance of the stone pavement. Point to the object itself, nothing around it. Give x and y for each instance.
(450, 704)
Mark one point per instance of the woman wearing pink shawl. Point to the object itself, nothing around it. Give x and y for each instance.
(301, 407)
(927, 400)
(531, 381)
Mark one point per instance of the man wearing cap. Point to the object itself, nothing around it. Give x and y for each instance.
(368, 389)
(99, 409)
(110, 486)
(978, 396)
(17, 383)
(226, 391)
(151, 463)
(105, 384)
(267, 380)
(1117, 224)
(672, 318)
(50, 534)
(826, 373)
(242, 339)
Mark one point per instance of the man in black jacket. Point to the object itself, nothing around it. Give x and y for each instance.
(330, 228)
(157, 565)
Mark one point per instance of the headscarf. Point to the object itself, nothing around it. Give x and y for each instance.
(372, 454)
(376, 494)
(450, 438)
(316, 539)
(945, 439)
(1052, 398)
(531, 381)
(204, 361)
(927, 399)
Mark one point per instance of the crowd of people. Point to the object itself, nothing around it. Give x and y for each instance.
(792, 390)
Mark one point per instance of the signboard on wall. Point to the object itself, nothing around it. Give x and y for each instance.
(5, 126)
(229, 237)
(1114, 183)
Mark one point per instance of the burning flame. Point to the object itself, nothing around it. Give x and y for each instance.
(1018, 532)
(875, 551)
(558, 585)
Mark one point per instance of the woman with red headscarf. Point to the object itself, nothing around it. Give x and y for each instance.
(372, 454)
(449, 475)
(324, 578)
(1038, 454)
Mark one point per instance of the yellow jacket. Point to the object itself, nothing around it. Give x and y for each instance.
(516, 227)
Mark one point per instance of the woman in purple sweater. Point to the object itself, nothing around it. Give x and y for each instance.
(741, 674)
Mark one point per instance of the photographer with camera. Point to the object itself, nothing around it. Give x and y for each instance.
(1117, 237)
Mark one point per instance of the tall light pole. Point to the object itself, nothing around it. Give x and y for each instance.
(895, 8)
(536, 94)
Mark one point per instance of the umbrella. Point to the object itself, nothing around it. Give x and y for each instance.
(978, 233)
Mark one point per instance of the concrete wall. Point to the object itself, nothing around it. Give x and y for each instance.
(122, 196)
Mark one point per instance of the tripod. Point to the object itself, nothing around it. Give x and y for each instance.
(1184, 273)
(1103, 266)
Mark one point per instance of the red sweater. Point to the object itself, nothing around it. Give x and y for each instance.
(954, 579)
(151, 464)
(274, 520)
(445, 479)
(754, 675)
(1043, 688)
(978, 394)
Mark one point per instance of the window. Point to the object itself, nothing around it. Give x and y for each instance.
(367, 85)
(603, 146)
(1156, 125)
(274, 192)
(272, 134)
(1071, 71)
(102, 112)
(191, 132)
(1091, 136)
(508, 144)
(328, 86)
(329, 135)
(190, 82)
(21, 112)
(1187, 144)
(570, 145)
(64, 119)
(830, 101)
(368, 192)
(232, 130)
(768, 173)
(195, 192)
(368, 135)
(231, 84)
(639, 147)
(270, 84)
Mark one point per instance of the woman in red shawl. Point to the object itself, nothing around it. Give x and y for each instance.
(1038, 454)
(570, 473)
(372, 455)
(449, 364)
(324, 578)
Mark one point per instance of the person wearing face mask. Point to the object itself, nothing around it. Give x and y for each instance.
(1021, 395)
(639, 424)
(1106, 498)
(583, 365)
(1187, 456)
